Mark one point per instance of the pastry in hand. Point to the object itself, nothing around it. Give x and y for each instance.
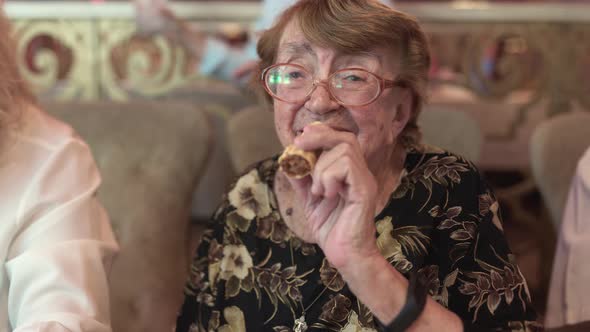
(297, 163)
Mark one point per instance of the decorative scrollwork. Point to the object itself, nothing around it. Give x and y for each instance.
(519, 63)
(497, 63)
(145, 66)
(44, 74)
(547, 60)
(149, 67)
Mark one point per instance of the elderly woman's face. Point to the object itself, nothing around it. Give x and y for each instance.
(376, 125)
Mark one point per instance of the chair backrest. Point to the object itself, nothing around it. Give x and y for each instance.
(251, 137)
(452, 130)
(220, 100)
(150, 156)
(251, 134)
(555, 148)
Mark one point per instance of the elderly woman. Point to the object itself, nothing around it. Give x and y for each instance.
(56, 243)
(333, 250)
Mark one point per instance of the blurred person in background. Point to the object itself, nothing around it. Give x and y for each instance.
(56, 242)
(215, 57)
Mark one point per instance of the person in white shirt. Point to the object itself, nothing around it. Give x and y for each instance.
(56, 243)
(569, 298)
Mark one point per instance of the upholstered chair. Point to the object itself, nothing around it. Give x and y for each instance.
(220, 100)
(151, 156)
(452, 130)
(251, 137)
(555, 148)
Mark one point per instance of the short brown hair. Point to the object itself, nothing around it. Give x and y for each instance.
(353, 26)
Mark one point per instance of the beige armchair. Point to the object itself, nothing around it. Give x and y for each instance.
(451, 129)
(220, 100)
(151, 156)
(556, 146)
(251, 135)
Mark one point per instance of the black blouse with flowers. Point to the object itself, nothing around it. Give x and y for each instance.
(252, 274)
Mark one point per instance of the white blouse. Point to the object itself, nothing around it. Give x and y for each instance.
(569, 294)
(55, 238)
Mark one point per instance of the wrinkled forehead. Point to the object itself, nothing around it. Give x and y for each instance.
(294, 44)
(292, 32)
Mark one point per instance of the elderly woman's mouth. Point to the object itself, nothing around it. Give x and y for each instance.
(333, 127)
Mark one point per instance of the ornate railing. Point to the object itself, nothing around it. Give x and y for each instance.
(521, 57)
(541, 51)
(520, 54)
(70, 50)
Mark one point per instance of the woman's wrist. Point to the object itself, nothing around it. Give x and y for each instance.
(416, 297)
(361, 264)
(376, 284)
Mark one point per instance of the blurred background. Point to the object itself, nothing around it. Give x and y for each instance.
(503, 72)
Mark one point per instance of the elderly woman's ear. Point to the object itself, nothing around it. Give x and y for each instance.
(403, 109)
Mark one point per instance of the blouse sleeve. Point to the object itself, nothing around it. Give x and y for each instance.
(58, 260)
(479, 278)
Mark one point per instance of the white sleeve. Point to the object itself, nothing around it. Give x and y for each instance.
(58, 262)
(568, 298)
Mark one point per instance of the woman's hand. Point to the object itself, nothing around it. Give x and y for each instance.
(338, 200)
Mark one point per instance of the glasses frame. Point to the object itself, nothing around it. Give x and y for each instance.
(383, 84)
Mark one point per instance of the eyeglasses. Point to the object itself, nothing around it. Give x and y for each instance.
(293, 84)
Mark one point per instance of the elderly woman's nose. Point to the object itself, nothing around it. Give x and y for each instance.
(320, 100)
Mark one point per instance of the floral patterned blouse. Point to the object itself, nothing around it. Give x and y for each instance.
(252, 274)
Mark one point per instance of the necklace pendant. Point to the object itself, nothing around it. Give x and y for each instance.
(300, 324)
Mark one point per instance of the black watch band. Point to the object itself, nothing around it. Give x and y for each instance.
(415, 302)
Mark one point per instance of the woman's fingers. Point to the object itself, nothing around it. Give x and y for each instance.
(340, 165)
(333, 181)
(319, 136)
(301, 187)
(341, 182)
(326, 177)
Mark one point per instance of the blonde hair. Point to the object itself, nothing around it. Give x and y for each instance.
(14, 91)
(353, 26)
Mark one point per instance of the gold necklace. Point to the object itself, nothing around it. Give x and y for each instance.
(300, 325)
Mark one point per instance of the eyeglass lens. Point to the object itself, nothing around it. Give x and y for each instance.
(350, 86)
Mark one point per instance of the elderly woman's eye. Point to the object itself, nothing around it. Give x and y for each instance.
(354, 78)
(296, 75)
